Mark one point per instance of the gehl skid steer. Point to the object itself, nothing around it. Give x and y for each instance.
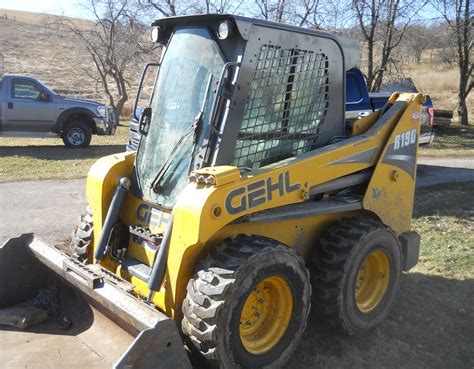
(248, 200)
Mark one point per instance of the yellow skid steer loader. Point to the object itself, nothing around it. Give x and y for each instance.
(249, 200)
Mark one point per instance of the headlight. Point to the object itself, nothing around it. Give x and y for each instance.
(225, 30)
(101, 111)
(154, 33)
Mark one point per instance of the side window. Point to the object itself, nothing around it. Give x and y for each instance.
(353, 93)
(24, 89)
(288, 100)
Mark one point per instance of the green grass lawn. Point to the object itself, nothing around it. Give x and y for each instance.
(444, 217)
(48, 158)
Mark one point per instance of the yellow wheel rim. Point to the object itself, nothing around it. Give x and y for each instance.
(266, 315)
(372, 281)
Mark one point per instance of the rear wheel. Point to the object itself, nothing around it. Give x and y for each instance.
(77, 134)
(248, 304)
(356, 273)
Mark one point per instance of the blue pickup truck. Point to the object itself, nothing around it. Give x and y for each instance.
(359, 103)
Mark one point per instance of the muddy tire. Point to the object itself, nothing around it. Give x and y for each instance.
(355, 274)
(247, 304)
(77, 134)
(83, 235)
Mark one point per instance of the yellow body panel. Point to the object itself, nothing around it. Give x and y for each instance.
(205, 211)
(391, 190)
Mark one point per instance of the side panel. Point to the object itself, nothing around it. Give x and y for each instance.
(391, 191)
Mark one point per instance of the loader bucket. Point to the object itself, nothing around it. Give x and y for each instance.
(125, 331)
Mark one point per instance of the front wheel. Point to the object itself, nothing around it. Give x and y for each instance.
(248, 304)
(77, 135)
(82, 236)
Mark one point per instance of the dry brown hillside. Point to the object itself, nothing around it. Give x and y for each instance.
(32, 43)
(53, 56)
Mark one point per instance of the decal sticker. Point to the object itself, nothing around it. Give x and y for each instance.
(151, 216)
(415, 117)
(258, 193)
(405, 139)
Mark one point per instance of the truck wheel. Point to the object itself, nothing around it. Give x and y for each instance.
(77, 135)
(83, 235)
(247, 305)
(356, 273)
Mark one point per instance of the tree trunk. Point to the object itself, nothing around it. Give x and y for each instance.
(462, 110)
(370, 64)
(119, 107)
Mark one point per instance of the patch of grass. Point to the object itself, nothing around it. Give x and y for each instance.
(453, 140)
(444, 217)
(30, 159)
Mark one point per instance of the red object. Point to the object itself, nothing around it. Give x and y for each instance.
(431, 113)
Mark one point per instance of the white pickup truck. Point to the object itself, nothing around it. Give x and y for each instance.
(29, 108)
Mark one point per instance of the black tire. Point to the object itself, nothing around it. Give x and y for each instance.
(77, 134)
(335, 267)
(83, 235)
(218, 292)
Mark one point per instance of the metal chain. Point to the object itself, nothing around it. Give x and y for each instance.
(47, 299)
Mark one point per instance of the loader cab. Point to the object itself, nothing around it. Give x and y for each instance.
(236, 91)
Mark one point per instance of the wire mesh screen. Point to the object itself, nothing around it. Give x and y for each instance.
(287, 104)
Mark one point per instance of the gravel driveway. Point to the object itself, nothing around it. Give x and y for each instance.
(51, 209)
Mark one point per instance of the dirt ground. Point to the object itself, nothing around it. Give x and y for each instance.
(431, 326)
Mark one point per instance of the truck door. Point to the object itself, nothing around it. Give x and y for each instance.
(29, 107)
(357, 102)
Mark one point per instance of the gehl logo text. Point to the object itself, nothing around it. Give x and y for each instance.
(151, 216)
(259, 192)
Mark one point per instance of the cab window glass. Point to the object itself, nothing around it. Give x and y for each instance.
(288, 101)
(25, 90)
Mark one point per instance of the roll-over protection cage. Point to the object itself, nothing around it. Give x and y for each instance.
(281, 93)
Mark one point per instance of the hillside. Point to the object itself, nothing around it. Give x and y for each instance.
(53, 56)
(33, 43)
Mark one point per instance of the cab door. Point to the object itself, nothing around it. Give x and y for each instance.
(29, 107)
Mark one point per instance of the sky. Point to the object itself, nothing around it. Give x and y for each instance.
(69, 8)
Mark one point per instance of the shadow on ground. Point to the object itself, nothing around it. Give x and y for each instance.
(430, 175)
(431, 326)
(60, 152)
(439, 200)
(452, 132)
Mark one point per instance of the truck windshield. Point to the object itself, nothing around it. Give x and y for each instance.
(192, 57)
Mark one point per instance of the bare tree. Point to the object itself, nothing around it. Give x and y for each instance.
(166, 8)
(383, 24)
(302, 13)
(460, 18)
(419, 38)
(273, 10)
(114, 41)
(214, 7)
